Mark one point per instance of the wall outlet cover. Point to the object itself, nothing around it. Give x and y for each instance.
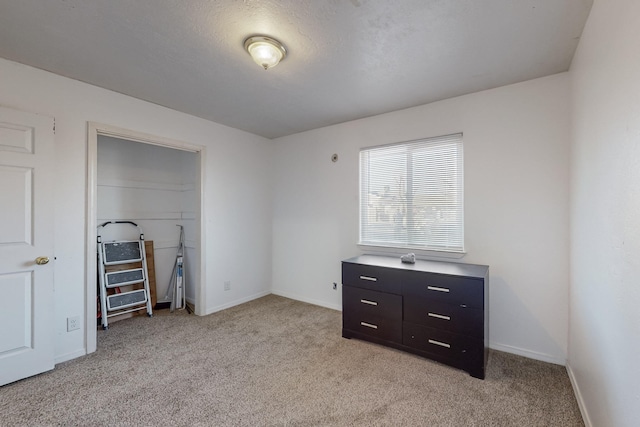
(73, 323)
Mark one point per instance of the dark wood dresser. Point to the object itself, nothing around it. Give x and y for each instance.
(438, 310)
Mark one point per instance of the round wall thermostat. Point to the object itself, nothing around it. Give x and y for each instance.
(334, 158)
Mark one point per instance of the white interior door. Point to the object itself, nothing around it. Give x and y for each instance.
(26, 235)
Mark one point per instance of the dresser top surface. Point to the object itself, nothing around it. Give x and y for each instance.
(438, 267)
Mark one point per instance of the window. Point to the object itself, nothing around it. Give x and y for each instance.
(411, 195)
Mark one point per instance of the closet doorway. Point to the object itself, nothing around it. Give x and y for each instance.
(156, 183)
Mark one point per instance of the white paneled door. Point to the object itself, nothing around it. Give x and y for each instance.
(26, 244)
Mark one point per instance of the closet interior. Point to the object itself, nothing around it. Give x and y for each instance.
(155, 187)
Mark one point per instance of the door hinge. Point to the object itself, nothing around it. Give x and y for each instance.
(54, 125)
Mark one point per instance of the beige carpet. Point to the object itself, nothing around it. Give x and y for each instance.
(278, 362)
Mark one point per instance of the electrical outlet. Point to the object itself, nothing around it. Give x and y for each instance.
(73, 323)
(227, 285)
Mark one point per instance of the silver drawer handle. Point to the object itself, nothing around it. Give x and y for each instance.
(441, 344)
(366, 301)
(435, 288)
(371, 279)
(369, 325)
(439, 316)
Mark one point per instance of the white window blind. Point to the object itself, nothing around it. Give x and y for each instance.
(411, 195)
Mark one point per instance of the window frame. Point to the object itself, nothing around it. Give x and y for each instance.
(419, 146)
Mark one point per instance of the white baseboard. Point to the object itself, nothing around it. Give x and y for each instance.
(296, 297)
(579, 398)
(528, 353)
(69, 356)
(211, 310)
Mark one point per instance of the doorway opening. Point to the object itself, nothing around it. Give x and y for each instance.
(156, 183)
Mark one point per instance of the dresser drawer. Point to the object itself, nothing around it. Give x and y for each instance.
(365, 302)
(447, 345)
(384, 329)
(371, 277)
(372, 313)
(439, 315)
(452, 290)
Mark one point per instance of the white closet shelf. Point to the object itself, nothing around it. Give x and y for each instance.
(145, 185)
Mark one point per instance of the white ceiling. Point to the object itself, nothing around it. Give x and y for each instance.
(347, 59)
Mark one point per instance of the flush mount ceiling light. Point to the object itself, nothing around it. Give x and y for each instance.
(267, 52)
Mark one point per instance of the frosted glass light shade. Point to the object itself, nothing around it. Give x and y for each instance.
(265, 51)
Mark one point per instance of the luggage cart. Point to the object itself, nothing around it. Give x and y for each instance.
(113, 301)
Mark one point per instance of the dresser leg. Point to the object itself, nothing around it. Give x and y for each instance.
(477, 373)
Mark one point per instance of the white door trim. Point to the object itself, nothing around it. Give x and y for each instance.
(93, 130)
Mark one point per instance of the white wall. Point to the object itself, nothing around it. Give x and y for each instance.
(604, 338)
(516, 145)
(237, 201)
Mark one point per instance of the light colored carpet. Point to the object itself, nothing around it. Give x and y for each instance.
(278, 362)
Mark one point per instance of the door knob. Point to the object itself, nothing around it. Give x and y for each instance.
(42, 260)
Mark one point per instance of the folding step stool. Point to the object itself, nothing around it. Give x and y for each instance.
(122, 252)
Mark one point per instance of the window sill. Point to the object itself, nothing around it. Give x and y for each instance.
(420, 253)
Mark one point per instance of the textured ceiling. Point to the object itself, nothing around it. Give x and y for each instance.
(347, 59)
